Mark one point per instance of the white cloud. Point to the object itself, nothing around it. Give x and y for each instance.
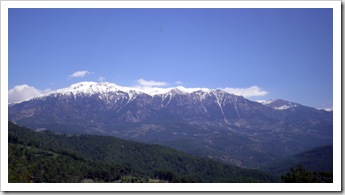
(246, 92)
(23, 92)
(145, 83)
(178, 82)
(101, 79)
(78, 74)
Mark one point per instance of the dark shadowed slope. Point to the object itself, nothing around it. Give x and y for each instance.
(316, 160)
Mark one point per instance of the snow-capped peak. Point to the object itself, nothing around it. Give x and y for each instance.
(191, 90)
(90, 88)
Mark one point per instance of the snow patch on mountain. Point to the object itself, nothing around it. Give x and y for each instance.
(283, 107)
(278, 104)
(266, 102)
(92, 88)
(328, 109)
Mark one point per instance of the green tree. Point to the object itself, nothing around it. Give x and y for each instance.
(301, 175)
(298, 175)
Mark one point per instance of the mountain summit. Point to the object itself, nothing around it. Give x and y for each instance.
(89, 88)
(205, 122)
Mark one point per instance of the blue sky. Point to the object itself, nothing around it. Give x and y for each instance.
(273, 53)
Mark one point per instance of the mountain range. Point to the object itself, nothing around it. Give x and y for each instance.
(206, 122)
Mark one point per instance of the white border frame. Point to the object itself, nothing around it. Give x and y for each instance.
(337, 105)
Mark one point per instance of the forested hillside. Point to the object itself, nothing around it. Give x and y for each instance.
(313, 166)
(317, 160)
(49, 157)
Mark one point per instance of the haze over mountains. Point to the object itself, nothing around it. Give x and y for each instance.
(206, 122)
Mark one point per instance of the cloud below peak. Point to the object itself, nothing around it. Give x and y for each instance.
(23, 92)
(247, 92)
(145, 83)
(252, 91)
(178, 82)
(101, 79)
(80, 74)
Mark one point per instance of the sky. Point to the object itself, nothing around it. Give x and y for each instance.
(258, 53)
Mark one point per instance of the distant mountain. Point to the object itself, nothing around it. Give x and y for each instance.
(49, 157)
(204, 122)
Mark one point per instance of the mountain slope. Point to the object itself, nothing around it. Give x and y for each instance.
(316, 160)
(209, 123)
(44, 156)
(30, 164)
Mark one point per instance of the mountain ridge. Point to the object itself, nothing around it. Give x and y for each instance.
(91, 87)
